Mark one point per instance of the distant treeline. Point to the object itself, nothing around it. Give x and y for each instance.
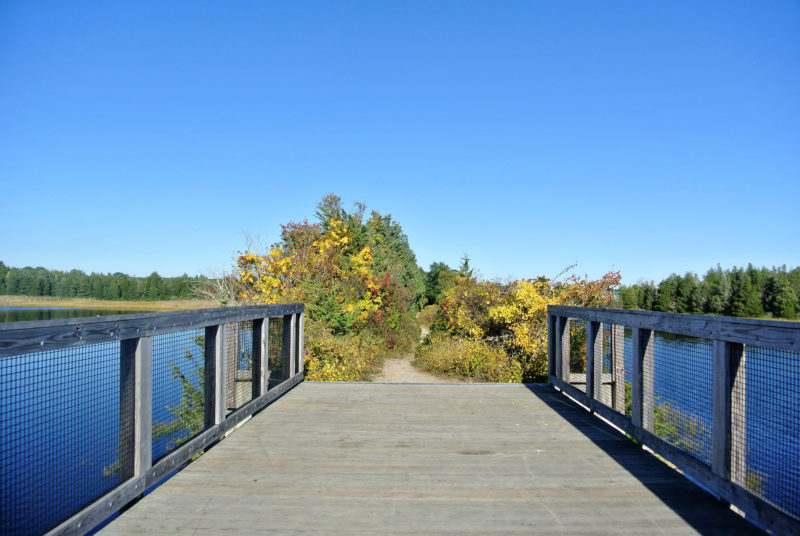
(77, 284)
(747, 292)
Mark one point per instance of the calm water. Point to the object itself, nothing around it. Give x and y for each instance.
(683, 384)
(24, 314)
(60, 414)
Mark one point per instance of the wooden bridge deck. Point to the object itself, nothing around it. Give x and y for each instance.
(427, 459)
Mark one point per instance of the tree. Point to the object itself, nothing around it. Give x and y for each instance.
(744, 300)
(154, 287)
(628, 297)
(464, 269)
(433, 285)
(647, 295)
(715, 291)
(665, 296)
(687, 294)
(357, 278)
(780, 299)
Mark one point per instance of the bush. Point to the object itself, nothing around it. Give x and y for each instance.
(339, 358)
(428, 315)
(444, 354)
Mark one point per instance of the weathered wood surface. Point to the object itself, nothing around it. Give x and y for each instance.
(758, 332)
(425, 459)
(17, 338)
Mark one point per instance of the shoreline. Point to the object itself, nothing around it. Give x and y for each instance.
(91, 303)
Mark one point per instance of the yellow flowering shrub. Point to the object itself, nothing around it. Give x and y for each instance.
(516, 313)
(444, 354)
(464, 307)
(348, 358)
(358, 279)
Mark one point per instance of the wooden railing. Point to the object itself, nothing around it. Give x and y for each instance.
(717, 397)
(30, 348)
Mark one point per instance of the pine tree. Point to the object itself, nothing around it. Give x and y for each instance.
(744, 300)
(780, 299)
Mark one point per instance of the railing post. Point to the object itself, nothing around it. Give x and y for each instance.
(594, 359)
(136, 407)
(551, 345)
(642, 376)
(721, 410)
(738, 411)
(214, 375)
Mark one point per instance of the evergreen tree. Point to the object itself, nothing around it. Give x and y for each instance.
(780, 299)
(666, 294)
(465, 270)
(40, 281)
(687, 294)
(433, 285)
(628, 297)
(715, 291)
(744, 300)
(647, 296)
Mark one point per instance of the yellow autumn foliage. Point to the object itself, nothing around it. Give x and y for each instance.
(515, 314)
(445, 354)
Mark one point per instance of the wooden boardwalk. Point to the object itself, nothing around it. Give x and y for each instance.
(427, 459)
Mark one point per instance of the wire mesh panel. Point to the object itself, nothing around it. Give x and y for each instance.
(616, 367)
(766, 426)
(627, 371)
(682, 390)
(606, 388)
(178, 389)
(238, 364)
(275, 350)
(59, 450)
(577, 353)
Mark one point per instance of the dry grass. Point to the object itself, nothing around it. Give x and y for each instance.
(88, 303)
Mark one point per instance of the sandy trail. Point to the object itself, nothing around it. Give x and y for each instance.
(402, 371)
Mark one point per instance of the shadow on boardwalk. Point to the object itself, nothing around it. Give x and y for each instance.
(701, 510)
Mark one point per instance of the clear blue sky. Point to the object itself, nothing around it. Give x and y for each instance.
(647, 137)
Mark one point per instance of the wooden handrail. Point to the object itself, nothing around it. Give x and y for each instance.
(135, 336)
(730, 337)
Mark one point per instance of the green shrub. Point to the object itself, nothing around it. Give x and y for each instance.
(428, 315)
(444, 354)
(329, 357)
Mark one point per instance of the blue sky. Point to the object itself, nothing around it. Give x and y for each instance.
(645, 137)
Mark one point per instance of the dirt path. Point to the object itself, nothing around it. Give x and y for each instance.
(402, 371)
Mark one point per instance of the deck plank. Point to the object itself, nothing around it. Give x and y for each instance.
(427, 459)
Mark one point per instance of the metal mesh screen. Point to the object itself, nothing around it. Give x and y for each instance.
(627, 370)
(178, 389)
(765, 431)
(604, 392)
(615, 387)
(682, 390)
(238, 364)
(577, 353)
(275, 349)
(59, 450)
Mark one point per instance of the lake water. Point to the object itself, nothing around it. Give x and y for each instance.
(682, 389)
(26, 314)
(60, 414)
